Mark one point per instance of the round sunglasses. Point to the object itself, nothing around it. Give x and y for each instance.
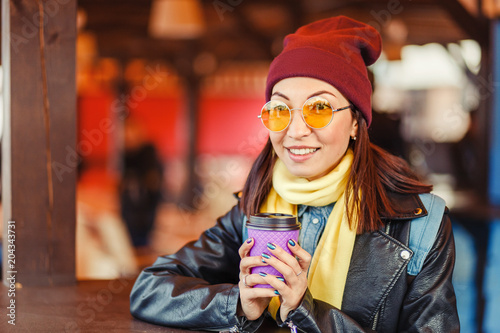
(317, 113)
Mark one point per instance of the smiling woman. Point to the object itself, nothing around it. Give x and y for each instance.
(306, 151)
(375, 251)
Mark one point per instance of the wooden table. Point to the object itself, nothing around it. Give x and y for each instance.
(88, 306)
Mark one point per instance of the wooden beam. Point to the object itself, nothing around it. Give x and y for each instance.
(476, 27)
(39, 141)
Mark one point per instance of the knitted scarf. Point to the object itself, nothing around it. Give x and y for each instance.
(330, 263)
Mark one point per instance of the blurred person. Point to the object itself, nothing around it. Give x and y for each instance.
(141, 183)
(103, 246)
(385, 133)
(385, 129)
(376, 249)
(465, 158)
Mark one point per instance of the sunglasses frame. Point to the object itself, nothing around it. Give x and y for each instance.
(350, 106)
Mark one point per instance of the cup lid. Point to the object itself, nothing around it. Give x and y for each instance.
(273, 221)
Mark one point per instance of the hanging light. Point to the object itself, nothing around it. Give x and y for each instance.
(395, 37)
(491, 8)
(176, 19)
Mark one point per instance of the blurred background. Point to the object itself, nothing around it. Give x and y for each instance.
(168, 97)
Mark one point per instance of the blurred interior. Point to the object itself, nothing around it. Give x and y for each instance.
(168, 97)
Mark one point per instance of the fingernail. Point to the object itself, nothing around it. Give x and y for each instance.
(267, 256)
(280, 278)
(271, 246)
(249, 240)
(264, 261)
(291, 242)
(276, 292)
(262, 274)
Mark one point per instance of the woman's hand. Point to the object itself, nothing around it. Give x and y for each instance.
(254, 301)
(294, 269)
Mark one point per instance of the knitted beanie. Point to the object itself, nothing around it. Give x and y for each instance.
(335, 50)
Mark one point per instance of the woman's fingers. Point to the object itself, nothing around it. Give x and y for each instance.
(253, 301)
(294, 269)
(247, 263)
(244, 249)
(303, 257)
(277, 282)
(291, 292)
(288, 272)
(298, 261)
(260, 292)
(250, 280)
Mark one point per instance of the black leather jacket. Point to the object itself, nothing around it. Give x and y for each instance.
(197, 287)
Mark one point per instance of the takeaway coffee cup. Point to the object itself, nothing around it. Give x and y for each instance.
(273, 228)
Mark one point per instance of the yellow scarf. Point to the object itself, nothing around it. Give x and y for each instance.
(329, 266)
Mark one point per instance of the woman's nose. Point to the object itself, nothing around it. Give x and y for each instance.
(297, 128)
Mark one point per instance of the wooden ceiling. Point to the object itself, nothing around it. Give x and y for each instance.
(253, 29)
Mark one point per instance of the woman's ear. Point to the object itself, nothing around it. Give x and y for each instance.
(354, 130)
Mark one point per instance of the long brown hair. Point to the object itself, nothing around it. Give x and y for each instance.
(374, 173)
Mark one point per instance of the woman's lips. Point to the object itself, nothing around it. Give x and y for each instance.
(301, 154)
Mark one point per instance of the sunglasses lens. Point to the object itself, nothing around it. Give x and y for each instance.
(317, 112)
(275, 115)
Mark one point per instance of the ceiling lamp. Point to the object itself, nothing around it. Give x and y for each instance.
(176, 19)
(491, 8)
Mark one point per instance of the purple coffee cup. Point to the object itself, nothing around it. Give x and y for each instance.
(272, 228)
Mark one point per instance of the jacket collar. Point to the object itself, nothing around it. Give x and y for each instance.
(407, 206)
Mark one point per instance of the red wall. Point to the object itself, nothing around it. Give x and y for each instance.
(226, 125)
(96, 127)
(230, 126)
(162, 118)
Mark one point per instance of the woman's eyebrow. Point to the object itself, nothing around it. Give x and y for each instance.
(280, 95)
(322, 92)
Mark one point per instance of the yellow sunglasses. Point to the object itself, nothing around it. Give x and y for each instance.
(317, 113)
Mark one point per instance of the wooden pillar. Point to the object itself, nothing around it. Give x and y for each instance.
(192, 191)
(184, 63)
(39, 139)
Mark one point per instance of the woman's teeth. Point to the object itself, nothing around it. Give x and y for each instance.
(303, 151)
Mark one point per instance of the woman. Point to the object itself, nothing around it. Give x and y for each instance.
(375, 251)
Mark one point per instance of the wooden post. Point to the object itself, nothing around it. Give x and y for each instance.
(192, 191)
(39, 141)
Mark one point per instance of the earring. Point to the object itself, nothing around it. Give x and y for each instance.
(354, 138)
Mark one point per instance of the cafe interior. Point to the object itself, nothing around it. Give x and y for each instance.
(129, 125)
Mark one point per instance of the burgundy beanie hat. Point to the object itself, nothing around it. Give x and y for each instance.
(335, 50)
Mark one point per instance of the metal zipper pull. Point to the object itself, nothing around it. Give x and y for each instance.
(293, 328)
(388, 227)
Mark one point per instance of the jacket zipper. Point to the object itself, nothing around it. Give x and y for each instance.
(293, 328)
(375, 321)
